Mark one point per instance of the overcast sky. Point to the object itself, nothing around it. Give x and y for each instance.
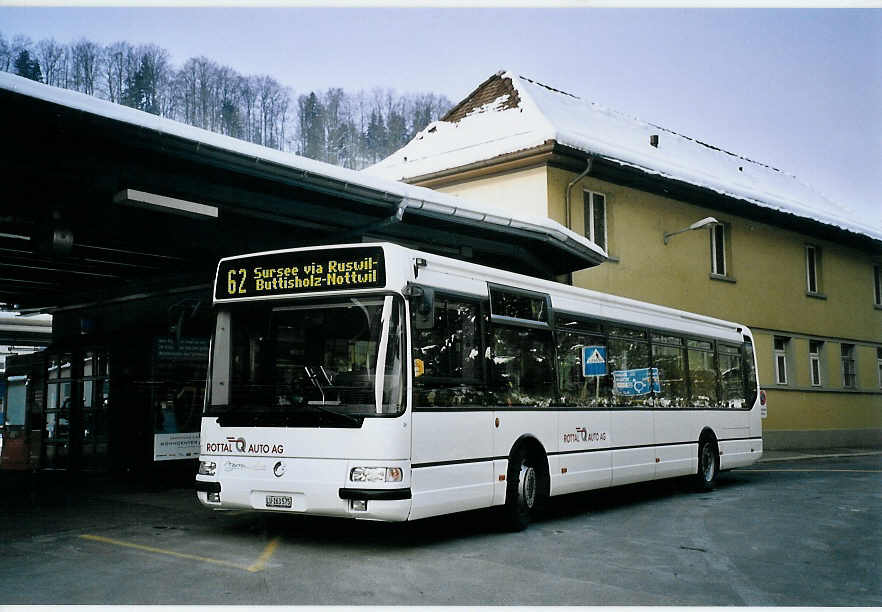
(798, 89)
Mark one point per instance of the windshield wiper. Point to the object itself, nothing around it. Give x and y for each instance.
(314, 377)
(349, 417)
(310, 373)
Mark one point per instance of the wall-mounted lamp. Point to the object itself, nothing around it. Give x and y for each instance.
(697, 225)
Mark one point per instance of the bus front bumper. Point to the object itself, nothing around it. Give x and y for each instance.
(320, 495)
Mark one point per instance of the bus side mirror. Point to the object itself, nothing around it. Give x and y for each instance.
(422, 306)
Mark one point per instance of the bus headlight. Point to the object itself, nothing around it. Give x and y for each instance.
(207, 468)
(376, 474)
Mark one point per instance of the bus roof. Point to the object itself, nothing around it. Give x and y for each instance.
(469, 278)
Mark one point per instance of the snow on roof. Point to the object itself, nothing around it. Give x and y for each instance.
(521, 114)
(418, 198)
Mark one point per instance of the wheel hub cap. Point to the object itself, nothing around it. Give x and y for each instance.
(527, 491)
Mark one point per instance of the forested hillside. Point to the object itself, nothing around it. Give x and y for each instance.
(351, 129)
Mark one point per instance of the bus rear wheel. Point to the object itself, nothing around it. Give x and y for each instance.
(708, 465)
(524, 490)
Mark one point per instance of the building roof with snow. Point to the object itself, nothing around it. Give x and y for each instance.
(468, 216)
(508, 114)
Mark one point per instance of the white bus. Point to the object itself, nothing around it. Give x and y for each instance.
(373, 381)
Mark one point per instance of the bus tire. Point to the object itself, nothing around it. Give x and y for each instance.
(525, 488)
(708, 464)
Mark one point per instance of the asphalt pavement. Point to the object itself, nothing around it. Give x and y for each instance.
(799, 528)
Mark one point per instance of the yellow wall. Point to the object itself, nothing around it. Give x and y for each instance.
(521, 192)
(799, 407)
(766, 263)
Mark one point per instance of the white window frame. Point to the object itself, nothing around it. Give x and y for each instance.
(588, 199)
(812, 260)
(845, 360)
(780, 358)
(721, 228)
(815, 359)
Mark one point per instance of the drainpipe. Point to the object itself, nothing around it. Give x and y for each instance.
(570, 186)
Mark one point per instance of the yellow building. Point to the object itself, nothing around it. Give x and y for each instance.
(793, 266)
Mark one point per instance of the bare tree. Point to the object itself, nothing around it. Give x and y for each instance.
(86, 58)
(5, 54)
(51, 56)
(248, 93)
(272, 105)
(205, 70)
(120, 64)
(9, 51)
(351, 130)
(196, 77)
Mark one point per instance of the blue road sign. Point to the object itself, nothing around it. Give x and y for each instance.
(593, 361)
(639, 381)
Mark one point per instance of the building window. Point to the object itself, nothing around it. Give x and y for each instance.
(595, 218)
(781, 344)
(718, 249)
(877, 282)
(815, 347)
(849, 377)
(813, 268)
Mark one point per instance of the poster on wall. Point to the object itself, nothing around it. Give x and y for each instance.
(168, 446)
(178, 370)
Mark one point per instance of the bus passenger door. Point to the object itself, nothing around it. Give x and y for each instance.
(451, 430)
(631, 417)
(633, 457)
(522, 387)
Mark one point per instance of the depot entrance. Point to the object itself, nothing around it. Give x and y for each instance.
(114, 394)
(113, 221)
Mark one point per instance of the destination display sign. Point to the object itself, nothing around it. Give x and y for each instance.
(301, 272)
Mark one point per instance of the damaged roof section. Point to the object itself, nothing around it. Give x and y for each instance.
(495, 94)
(510, 114)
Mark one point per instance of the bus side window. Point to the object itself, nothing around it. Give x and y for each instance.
(629, 371)
(749, 371)
(522, 366)
(731, 377)
(702, 374)
(576, 389)
(669, 368)
(447, 357)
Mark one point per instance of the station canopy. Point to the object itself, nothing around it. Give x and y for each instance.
(102, 201)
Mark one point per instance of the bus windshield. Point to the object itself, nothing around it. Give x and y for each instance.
(322, 364)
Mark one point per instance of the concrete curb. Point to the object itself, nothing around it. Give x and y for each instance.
(818, 454)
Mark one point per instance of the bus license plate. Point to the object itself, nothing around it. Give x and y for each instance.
(279, 501)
